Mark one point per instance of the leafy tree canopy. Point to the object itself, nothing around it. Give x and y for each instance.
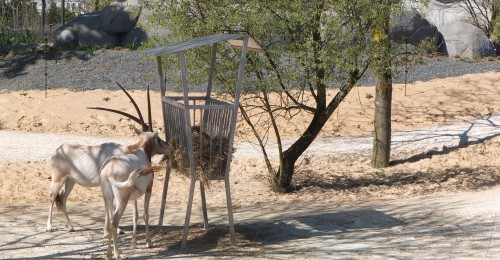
(310, 46)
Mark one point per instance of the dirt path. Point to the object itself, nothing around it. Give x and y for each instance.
(463, 225)
(458, 134)
(439, 226)
(342, 207)
(24, 146)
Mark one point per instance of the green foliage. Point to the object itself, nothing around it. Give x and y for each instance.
(11, 37)
(496, 29)
(310, 46)
(17, 14)
(102, 3)
(283, 28)
(2, 125)
(91, 49)
(54, 14)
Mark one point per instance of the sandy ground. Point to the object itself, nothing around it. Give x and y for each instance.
(342, 207)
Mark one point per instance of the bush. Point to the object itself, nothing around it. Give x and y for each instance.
(11, 37)
(496, 34)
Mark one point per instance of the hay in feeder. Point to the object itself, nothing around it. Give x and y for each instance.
(210, 155)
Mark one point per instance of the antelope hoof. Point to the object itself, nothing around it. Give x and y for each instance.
(71, 229)
(49, 228)
(149, 244)
(119, 231)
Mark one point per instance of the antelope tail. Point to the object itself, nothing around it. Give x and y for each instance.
(132, 178)
(58, 201)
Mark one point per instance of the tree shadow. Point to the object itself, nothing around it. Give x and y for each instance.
(254, 237)
(17, 65)
(35, 237)
(464, 141)
(387, 229)
(473, 178)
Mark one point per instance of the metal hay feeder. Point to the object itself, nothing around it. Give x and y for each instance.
(215, 118)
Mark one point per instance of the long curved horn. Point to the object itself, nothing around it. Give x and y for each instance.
(150, 118)
(118, 112)
(144, 126)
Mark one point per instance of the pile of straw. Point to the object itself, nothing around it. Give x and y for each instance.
(210, 155)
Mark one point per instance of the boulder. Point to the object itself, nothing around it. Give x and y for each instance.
(120, 16)
(84, 30)
(441, 12)
(134, 38)
(465, 40)
(411, 27)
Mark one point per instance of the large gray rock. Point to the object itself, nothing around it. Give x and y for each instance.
(120, 16)
(465, 40)
(84, 30)
(412, 28)
(134, 38)
(442, 12)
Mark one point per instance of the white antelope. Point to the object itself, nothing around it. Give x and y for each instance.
(127, 177)
(81, 164)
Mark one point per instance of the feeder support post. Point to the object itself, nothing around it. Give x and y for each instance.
(231, 140)
(189, 137)
(212, 70)
(160, 74)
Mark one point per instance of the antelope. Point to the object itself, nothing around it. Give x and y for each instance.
(80, 164)
(127, 177)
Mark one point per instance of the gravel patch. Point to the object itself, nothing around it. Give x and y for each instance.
(78, 70)
(431, 68)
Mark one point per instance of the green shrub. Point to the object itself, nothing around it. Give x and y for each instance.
(91, 49)
(10, 37)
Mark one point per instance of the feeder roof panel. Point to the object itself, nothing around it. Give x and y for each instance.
(236, 40)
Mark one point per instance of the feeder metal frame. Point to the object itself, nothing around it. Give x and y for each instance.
(218, 117)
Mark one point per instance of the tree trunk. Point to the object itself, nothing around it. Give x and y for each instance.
(63, 8)
(291, 155)
(382, 124)
(42, 25)
(383, 93)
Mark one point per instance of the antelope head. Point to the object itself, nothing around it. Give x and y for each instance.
(160, 146)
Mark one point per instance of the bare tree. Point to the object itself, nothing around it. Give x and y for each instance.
(483, 13)
(14, 6)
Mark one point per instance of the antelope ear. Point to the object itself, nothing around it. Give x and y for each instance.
(137, 131)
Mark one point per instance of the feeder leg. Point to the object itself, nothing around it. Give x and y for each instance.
(188, 211)
(204, 205)
(230, 211)
(164, 195)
